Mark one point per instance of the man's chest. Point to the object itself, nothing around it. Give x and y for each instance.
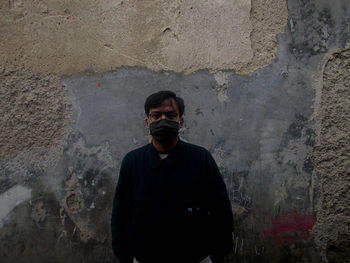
(176, 180)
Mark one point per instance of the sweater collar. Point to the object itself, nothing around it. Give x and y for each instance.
(173, 156)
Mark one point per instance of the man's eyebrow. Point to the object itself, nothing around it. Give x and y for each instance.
(164, 111)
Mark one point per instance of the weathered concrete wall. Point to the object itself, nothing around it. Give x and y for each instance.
(266, 87)
(332, 159)
(66, 38)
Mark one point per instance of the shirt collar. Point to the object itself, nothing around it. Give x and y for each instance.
(173, 156)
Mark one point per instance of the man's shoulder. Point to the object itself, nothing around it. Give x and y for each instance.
(137, 152)
(194, 148)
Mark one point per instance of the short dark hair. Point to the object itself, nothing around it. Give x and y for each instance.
(156, 99)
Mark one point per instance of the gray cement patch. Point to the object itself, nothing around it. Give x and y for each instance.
(257, 127)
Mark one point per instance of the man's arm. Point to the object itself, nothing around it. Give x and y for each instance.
(221, 213)
(120, 215)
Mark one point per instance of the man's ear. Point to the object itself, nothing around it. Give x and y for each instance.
(147, 123)
(181, 122)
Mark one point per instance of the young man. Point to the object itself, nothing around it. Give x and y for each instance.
(170, 204)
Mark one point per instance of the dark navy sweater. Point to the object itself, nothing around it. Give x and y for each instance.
(171, 210)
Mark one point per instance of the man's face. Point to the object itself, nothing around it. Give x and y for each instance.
(167, 110)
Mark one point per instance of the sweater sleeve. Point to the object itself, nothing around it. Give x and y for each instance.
(120, 213)
(221, 213)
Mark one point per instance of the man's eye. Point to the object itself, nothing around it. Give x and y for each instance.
(171, 115)
(156, 115)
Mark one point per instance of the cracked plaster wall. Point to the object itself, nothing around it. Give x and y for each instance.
(59, 146)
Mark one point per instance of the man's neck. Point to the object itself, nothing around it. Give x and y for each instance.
(164, 148)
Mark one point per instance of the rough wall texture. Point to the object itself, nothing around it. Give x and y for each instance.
(332, 159)
(268, 18)
(71, 37)
(33, 110)
(267, 95)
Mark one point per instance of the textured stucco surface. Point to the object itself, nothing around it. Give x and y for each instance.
(71, 37)
(33, 110)
(268, 18)
(332, 159)
(266, 91)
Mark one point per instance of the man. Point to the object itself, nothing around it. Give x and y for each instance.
(170, 204)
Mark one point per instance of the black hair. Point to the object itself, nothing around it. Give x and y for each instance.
(156, 99)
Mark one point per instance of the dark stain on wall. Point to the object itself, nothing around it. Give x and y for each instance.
(294, 130)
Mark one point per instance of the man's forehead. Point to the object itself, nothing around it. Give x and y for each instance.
(171, 103)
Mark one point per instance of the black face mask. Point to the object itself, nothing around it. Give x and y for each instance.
(164, 131)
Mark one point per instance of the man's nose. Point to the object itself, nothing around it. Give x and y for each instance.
(163, 116)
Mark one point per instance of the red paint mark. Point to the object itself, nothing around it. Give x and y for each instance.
(291, 226)
(98, 84)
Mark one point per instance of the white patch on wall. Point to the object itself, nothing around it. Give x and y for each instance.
(222, 80)
(12, 198)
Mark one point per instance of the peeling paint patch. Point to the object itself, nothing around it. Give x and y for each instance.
(74, 203)
(280, 196)
(39, 213)
(222, 80)
(12, 198)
